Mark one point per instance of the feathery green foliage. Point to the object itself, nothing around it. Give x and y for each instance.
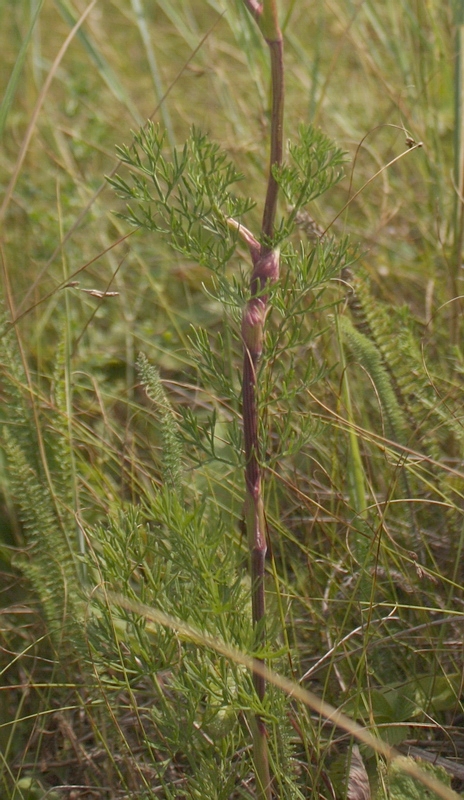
(172, 449)
(186, 196)
(49, 557)
(175, 557)
(398, 786)
(417, 388)
(367, 354)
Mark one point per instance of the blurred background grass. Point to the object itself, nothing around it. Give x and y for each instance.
(370, 74)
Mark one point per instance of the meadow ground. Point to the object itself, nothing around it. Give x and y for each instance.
(122, 486)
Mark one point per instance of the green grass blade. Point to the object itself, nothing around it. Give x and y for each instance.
(17, 69)
(100, 62)
(183, 21)
(153, 65)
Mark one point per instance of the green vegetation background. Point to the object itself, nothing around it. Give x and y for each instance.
(102, 486)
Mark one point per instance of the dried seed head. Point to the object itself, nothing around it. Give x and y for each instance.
(358, 780)
(308, 224)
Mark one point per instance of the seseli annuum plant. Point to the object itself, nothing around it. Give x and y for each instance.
(188, 197)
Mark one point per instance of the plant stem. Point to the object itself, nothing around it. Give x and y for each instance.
(277, 118)
(265, 272)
